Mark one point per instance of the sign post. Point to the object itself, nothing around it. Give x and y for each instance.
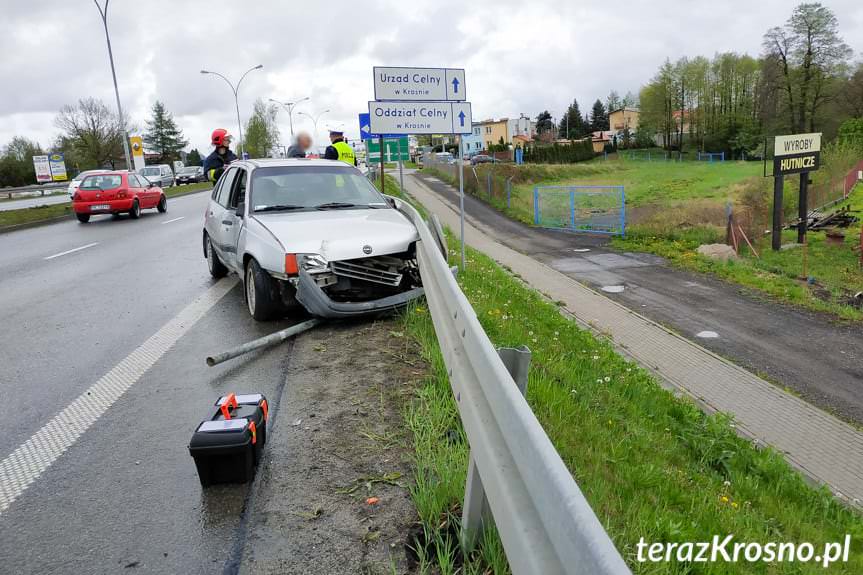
(793, 154)
(420, 101)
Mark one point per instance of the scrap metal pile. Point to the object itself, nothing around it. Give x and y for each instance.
(818, 220)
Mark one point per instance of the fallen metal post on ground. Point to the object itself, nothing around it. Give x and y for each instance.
(265, 341)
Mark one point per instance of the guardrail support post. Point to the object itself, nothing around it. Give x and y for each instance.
(475, 510)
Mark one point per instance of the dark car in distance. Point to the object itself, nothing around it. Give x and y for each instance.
(190, 175)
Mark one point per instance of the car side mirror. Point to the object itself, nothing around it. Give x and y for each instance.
(241, 209)
(150, 184)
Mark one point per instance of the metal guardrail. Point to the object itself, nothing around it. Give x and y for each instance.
(545, 523)
(54, 186)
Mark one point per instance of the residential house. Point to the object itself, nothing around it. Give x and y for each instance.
(495, 131)
(522, 126)
(601, 139)
(623, 118)
(474, 143)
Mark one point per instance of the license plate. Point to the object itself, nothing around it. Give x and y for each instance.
(99, 207)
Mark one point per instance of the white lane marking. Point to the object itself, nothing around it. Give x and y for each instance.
(707, 334)
(33, 457)
(71, 251)
(174, 220)
(613, 289)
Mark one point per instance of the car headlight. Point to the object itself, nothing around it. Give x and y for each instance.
(313, 263)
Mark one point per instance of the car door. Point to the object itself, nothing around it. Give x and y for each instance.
(216, 215)
(232, 219)
(139, 188)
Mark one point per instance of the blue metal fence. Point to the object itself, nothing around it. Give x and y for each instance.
(589, 209)
(711, 157)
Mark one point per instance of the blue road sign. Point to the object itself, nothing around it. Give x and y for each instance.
(365, 130)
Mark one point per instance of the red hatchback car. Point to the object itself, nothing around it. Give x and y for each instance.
(115, 193)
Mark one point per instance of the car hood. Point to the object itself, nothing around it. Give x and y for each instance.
(341, 234)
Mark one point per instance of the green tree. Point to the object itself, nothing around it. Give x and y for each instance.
(572, 125)
(851, 94)
(262, 133)
(543, 122)
(16, 162)
(806, 57)
(598, 117)
(162, 135)
(851, 133)
(193, 158)
(92, 132)
(613, 101)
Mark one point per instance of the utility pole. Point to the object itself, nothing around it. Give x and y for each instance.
(289, 106)
(104, 14)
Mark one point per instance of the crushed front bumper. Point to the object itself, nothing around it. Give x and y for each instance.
(318, 303)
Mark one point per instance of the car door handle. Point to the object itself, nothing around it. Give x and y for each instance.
(228, 222)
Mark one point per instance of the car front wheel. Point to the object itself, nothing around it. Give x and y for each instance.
(260, 296)
(162, 206)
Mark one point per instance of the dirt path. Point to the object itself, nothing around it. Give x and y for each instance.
(337, 440)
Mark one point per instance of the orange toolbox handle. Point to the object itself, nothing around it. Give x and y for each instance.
(230, 401)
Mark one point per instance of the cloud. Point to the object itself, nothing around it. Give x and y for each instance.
(520, 57)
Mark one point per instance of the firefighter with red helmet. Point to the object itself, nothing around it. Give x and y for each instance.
(215, 163)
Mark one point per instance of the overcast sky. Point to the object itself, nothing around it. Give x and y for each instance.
(519, 57)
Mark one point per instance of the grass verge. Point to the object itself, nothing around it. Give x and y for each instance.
(835, 270)
(651, 465)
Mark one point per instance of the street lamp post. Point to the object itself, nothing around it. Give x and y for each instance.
(235, 90)
(289, 106)
(104, 14)
(314, 119)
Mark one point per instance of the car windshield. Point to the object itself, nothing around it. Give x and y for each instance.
(83, 175)
(312, 188)
(189, 170)
(149, 172)
(101, 182)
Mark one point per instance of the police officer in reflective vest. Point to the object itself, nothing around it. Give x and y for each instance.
(215, 163)
(339, 149)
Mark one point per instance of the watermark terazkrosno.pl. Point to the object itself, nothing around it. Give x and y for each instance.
(727, 550)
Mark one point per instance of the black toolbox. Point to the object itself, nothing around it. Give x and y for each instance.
(227, 447)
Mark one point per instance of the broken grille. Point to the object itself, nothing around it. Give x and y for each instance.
(376, 270)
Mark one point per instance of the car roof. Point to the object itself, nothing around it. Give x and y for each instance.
(291, 162)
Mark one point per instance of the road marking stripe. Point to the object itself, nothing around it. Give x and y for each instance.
(174, 220)
(71, 251)
(33, 457)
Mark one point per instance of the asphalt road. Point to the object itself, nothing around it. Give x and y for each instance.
(808, 352)
(34, 201)
(76, 302)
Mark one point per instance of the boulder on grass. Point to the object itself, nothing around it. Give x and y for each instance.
(722, 252)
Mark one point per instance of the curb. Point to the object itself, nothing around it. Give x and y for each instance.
(58, 219)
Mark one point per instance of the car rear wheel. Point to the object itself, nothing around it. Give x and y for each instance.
(83, 218)
(135, 212)
(260, 296)
(162, 205)
(214, 264)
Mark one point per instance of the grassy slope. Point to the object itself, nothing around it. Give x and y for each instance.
(651, 465)
(835, 269)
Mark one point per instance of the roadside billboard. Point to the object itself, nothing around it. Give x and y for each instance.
(137, 152)
(57, 164)
(43, 169)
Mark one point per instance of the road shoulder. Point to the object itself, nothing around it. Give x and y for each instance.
(332, 494)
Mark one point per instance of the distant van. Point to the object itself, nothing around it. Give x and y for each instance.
(160, 174)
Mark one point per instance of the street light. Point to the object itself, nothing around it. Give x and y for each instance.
(104, 14)
(235, 90)
(289, 106)
(314, 119)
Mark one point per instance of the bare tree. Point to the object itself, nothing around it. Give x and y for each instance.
(93, 131)
(811, 58)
